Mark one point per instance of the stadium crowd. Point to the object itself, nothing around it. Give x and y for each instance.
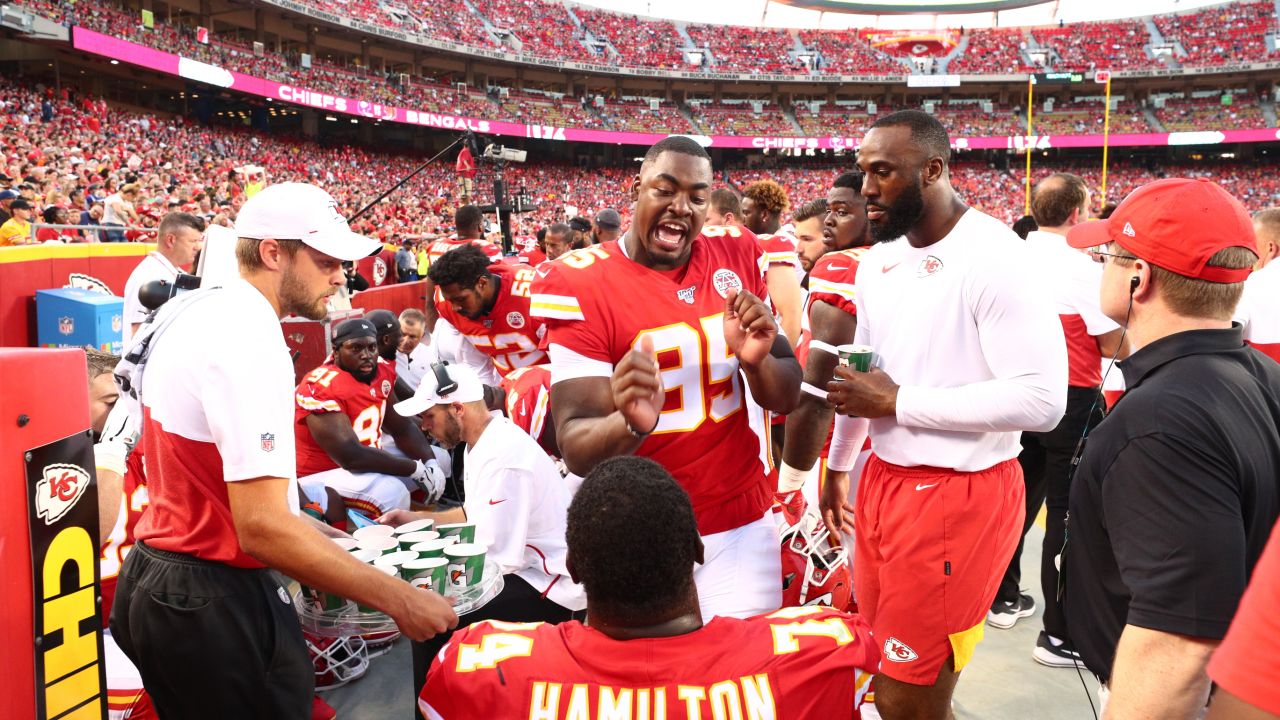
(1233, 32)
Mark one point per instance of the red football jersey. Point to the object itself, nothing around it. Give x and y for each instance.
(711, 436)
(528, 392)
(797, 663)
(832, 280)
(440, 247)
(781, 248)
(509, 335)
(533, 257)
(133, 500)
(329, 388)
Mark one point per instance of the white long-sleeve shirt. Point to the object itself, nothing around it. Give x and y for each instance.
(963, 327)
(519, 504)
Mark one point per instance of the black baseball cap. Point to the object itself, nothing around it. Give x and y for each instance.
(609, 218)
(352, 329)
(383, 321)
(20, 204)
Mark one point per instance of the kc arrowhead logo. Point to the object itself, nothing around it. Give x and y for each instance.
(59, 489)
(897, 651)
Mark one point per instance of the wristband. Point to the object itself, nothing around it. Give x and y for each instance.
(636, 433)
(790, 479)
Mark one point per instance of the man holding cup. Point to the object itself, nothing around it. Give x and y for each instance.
(514, 509)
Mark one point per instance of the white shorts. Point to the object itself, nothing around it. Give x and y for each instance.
(742, 575)
(124, 684)
(370, 493)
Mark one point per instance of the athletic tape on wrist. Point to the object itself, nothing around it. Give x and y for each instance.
(813, 390)
(790, 478)
(824, 347)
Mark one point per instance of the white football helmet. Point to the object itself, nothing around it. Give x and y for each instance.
(337, 660)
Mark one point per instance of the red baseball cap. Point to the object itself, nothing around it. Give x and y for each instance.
(1176, 224)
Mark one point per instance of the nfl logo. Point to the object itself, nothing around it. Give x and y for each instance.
(66, 325)
(268, 442)
(686, 294)
(117, 324)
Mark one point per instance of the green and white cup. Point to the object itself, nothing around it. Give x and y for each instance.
(466, 564)
(431, 573)
(366, 555)
(408, 540)
(431, 548)
(465, 532)
(856, 357)
(373, 531)
(397, 558)
(383, 545)
(414, 526)
(347, 544)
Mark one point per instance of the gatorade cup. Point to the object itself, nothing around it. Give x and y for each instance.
(466, 564)
(383, 545)
(430, 573)
(397, 558)
(465, 532)
(373, 531)
(408, 540)
(856, 357)
(347, 544)
(431, 548)
(415, 526)
(366, 555)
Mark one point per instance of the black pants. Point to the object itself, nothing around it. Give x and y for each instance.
(210, 640)
(1046, 469)
(518, 602)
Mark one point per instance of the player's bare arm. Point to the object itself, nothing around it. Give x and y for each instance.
(870, 395)
(599, 418)
(784, 293)
(807, 425)
(268, 531)
(333, 433)
(763, 354)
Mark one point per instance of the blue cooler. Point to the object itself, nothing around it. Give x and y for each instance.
(70, 317)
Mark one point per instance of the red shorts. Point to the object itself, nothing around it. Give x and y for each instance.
(931, 546)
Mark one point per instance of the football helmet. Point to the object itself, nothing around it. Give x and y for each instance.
(814, 572)
(337, 660)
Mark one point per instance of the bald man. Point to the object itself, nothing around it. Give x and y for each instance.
(1257, 308)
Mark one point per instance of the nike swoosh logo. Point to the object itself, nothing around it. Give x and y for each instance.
(495, 502)
(542, 271)
(924, 487)
(887, 268)
(837, 267)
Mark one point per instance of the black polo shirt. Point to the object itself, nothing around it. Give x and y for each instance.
(1176, 494)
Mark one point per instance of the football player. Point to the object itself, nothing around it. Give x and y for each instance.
(633, 542)
(485, 306)
(339, 417)
(783, 276)
(469, 230)
(809, 220)
(122, 496)
(682, 368)
(830, 321)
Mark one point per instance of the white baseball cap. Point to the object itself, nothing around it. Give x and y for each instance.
(468, 389)
(300, 211)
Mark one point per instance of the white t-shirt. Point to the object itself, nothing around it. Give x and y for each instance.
(414, 366)
(218, 401)
(964, 327)
(519, 503)
(1259, 309)
(109, 214)
(1074, 284)
(153, 267)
